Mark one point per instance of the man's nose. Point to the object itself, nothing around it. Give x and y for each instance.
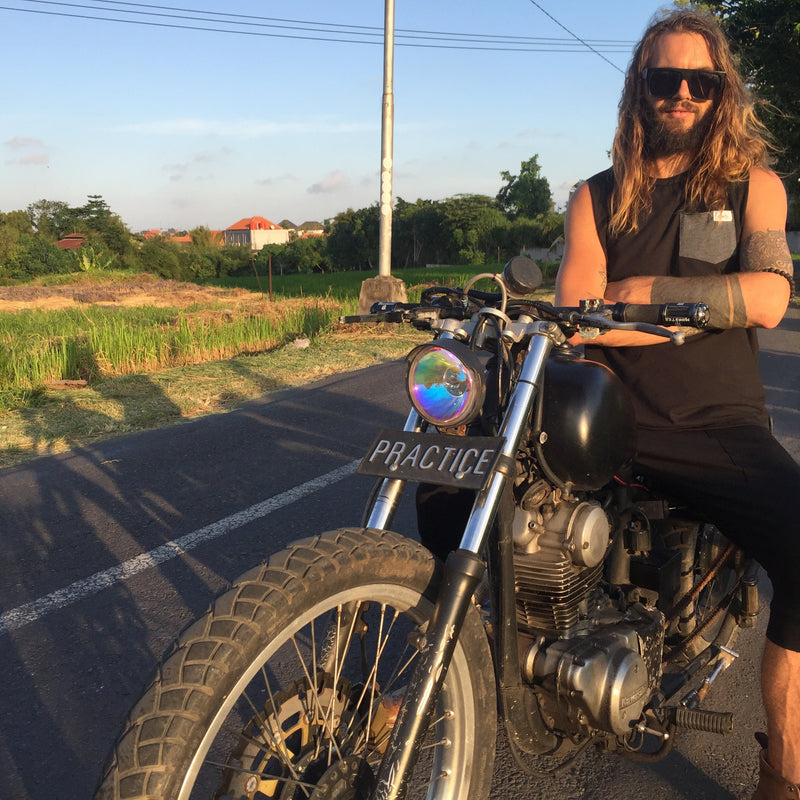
(683, 91)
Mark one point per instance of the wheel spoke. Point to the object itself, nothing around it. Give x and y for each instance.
(294, 677)
(263, 775)
(323, 715)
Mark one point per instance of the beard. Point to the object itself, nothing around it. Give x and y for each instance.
(663, 140)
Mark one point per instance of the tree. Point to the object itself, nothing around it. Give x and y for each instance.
(417, 232)
(527, 194)
(353, 239)
(97, 217)
(52, 219)
(40, 257)
(18, 221)
(469, 227)
(303, 254)
(202, 236)
(766, 38)
(96, 213)
(164, 258)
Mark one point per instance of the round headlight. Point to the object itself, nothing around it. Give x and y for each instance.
(445, 382)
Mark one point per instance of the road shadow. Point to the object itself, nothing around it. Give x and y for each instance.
(74, 671)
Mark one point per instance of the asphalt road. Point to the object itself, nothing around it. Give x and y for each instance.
(109, 551)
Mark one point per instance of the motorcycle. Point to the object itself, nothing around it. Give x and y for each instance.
(584, 609)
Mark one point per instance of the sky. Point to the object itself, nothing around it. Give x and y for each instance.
(215, 110)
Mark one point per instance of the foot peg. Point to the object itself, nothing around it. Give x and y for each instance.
(696, 719)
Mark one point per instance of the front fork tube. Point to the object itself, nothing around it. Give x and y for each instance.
(463, 571)
(515, 422)
(390, 492)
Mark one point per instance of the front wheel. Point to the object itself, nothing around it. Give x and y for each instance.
(288, 686)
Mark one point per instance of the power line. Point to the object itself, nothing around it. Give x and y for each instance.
(407, 37)
(378, 30)
(575, 35)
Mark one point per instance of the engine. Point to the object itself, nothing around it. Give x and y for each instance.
(559, 548)
(596, 662)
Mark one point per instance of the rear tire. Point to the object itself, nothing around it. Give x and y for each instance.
(287, 684)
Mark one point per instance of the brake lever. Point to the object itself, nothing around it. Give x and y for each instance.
(603, 323)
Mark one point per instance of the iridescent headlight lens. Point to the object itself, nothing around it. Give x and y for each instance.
(445, 383)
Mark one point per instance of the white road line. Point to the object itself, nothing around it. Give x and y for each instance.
(30, 612)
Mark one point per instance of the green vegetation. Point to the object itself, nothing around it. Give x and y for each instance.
(131, 357)
(88, 343)
(98, 342)
(466, 229)
(53, 421)
(345, 286)
(147, 366)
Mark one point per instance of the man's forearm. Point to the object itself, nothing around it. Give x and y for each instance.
(722, 293)
(744, 299)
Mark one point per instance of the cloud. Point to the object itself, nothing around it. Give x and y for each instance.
(33, 160)
(28, 143)
(179, 170)
(287, 176)
(334, 182)
(212, 156)
(22, 142)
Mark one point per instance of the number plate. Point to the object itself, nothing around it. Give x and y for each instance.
(465, 462)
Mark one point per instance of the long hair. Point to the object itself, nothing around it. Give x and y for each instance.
(735, 142)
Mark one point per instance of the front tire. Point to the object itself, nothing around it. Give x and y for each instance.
(287, 686)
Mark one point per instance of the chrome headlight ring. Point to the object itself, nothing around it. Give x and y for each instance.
(445, 382)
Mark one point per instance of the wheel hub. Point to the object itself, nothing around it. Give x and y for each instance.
(284, 741)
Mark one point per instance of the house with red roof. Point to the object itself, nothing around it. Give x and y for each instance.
(72, 241)
(255, 232)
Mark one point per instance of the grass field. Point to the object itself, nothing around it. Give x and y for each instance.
(99, 337)
(149, 361)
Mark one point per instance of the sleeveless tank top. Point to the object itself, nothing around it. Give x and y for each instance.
(712, 380)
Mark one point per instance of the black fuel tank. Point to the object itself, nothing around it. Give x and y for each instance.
(587, 416)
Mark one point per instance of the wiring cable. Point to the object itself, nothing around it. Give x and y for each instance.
(253, 25)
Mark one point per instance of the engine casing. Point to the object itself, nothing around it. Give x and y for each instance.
(602, 680)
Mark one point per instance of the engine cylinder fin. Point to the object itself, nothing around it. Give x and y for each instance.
(549, 591)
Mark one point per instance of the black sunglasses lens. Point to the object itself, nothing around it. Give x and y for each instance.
(702, 84)
(666, 83)
(663, 82)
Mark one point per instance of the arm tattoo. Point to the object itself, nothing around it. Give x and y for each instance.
(603, 279)
(762, 251)
(722, 293)
(767, 251)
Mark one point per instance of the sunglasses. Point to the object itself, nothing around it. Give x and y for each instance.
(665, 82)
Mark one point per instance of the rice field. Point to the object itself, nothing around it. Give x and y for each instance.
(91, 341)
(39, 347)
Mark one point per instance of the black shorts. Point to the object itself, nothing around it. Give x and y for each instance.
(744, 482)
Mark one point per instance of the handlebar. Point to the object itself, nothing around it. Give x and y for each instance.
(692, 315)
(591, 315)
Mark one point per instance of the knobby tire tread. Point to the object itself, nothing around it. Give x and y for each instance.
(211, 652)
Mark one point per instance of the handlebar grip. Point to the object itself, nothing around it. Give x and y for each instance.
(692, 315)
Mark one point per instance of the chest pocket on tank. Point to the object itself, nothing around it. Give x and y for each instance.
(709, 237)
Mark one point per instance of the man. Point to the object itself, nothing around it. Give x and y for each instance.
(690, 212)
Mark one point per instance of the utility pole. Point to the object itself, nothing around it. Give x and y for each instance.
(384, 287)
(387, 136)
